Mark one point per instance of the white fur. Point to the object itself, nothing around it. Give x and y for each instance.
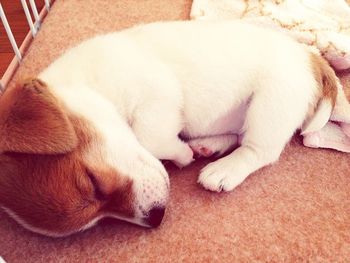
(93, 222)
(30, 227)
(141, 87)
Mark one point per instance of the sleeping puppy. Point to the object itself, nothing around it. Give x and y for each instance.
(83, 140)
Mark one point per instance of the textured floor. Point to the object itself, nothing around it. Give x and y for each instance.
(295, 210)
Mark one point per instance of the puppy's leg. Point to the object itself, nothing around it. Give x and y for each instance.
(268, 127)
(213, 145)
(157, 128)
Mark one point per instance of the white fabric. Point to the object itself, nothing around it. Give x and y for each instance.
(324, 24)
(331, 136)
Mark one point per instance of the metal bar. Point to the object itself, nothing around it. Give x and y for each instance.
(2, 89)
(16, 59)
(35, 12)
(9, 34)
(29, 18)
(47, 5)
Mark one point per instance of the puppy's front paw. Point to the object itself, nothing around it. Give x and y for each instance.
(219, 176)
(185, 157)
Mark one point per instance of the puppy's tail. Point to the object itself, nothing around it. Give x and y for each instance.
(332, 104)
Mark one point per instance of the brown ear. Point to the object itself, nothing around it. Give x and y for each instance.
(33, 121)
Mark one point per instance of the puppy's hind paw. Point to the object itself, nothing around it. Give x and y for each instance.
(214, 145)
(201, 151)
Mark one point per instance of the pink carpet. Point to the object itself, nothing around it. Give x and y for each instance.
(295, 210)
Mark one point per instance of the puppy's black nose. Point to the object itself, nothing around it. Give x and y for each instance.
(155, 216)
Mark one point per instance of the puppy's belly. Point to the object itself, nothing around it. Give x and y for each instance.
(209, 124)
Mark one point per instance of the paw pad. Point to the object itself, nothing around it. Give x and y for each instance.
(201, 151)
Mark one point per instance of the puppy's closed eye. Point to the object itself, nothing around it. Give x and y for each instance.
(99, 194)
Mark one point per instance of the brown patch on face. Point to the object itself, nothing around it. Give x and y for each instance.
(58, 192)
(325, 77)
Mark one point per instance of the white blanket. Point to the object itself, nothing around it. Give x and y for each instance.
(324, 24)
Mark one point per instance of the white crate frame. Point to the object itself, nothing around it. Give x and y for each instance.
(19, 50)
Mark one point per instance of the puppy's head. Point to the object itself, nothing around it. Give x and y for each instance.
(54, 177)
